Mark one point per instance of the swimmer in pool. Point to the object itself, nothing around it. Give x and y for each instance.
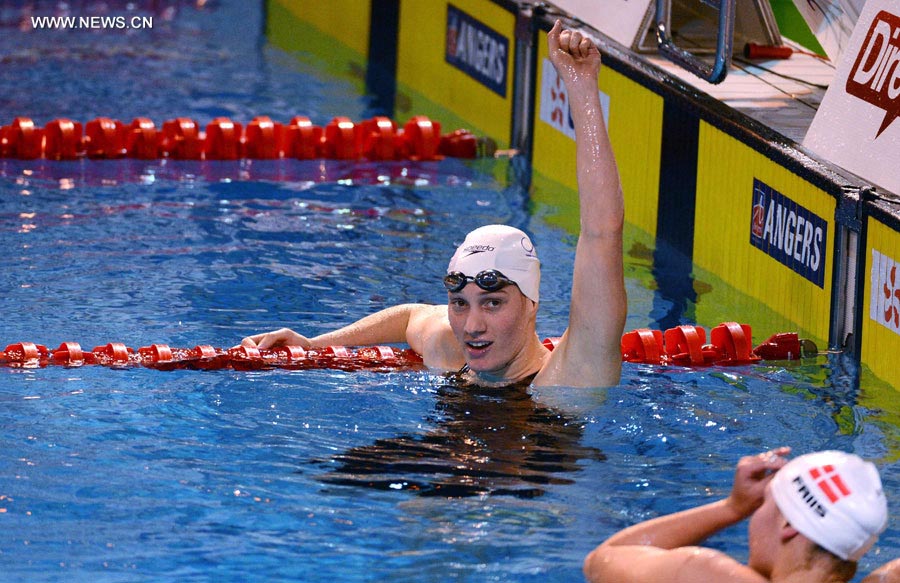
(811, 520)
(487, 328)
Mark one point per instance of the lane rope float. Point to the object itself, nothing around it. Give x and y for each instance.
(680, 346)
(182, 138)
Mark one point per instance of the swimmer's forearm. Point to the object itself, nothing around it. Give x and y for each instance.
(681, 529)
(599, 187)
(385, 327)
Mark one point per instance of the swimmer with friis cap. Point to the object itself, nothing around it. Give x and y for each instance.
(811, 520)
(487, 328)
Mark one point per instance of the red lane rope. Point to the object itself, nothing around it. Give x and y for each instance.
(204, 357)
(681, 346)
(730, 344)
(182, 138)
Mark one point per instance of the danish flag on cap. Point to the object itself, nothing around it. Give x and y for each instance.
(829, 481)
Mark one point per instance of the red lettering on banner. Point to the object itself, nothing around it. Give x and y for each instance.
(875, 77)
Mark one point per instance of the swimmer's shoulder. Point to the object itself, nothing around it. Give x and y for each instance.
(640, 563)
(429, 334)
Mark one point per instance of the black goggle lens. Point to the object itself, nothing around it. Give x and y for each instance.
(489, 280)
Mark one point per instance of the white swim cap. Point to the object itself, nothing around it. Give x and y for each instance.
(504, 248)
(834, 499)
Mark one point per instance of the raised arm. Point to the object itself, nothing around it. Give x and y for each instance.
(665, 545)
(424, 327)
(589, 353)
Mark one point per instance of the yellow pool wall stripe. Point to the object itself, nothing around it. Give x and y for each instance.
(336, 32)
(431, 86)
(726, 169)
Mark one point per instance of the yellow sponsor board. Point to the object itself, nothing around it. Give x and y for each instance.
(634, 118)
(879, 399)
(455, 64)
(335, 32)
(881, 303)
(763, 230)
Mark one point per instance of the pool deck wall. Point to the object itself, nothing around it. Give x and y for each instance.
(739, 221)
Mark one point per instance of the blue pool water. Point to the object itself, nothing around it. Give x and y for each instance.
(146, 475)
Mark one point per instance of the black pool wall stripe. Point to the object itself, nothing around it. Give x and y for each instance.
(381, 71)
(673, 254)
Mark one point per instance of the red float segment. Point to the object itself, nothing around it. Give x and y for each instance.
(459, 144)
(113, 354)
(337, 351)
(142, 139)
(376, 353)
(105, 138)
(340, 140)
(686, 345)
(156, 353)
(643, 345)
(423, 138)
(63, 140)
(21, 139)
(378, 139)
(302, 139)
(181, 139)
(291, 353)
(25, 354)
(69, 354)
(263, 139)
(245, 358)
(782, 346)
(223, 140)
(735, 342)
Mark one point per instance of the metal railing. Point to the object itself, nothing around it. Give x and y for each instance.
(714, 73)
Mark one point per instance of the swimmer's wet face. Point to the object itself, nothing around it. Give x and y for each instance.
(492, 327)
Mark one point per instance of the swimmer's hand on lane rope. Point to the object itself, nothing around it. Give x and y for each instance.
(281, 337)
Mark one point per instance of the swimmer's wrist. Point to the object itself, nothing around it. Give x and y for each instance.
(735, 511)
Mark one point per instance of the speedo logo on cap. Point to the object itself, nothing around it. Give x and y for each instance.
(808, 497)
(473, 249)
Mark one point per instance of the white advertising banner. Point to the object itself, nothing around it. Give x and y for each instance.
(884, 302)
(617, 19)
(832, 21)
(555, 101)
(854, 126)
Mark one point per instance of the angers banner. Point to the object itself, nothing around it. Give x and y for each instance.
(855, 125)
(789, 233)
(477, 50)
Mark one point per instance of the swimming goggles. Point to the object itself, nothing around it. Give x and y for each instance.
(489, 280)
